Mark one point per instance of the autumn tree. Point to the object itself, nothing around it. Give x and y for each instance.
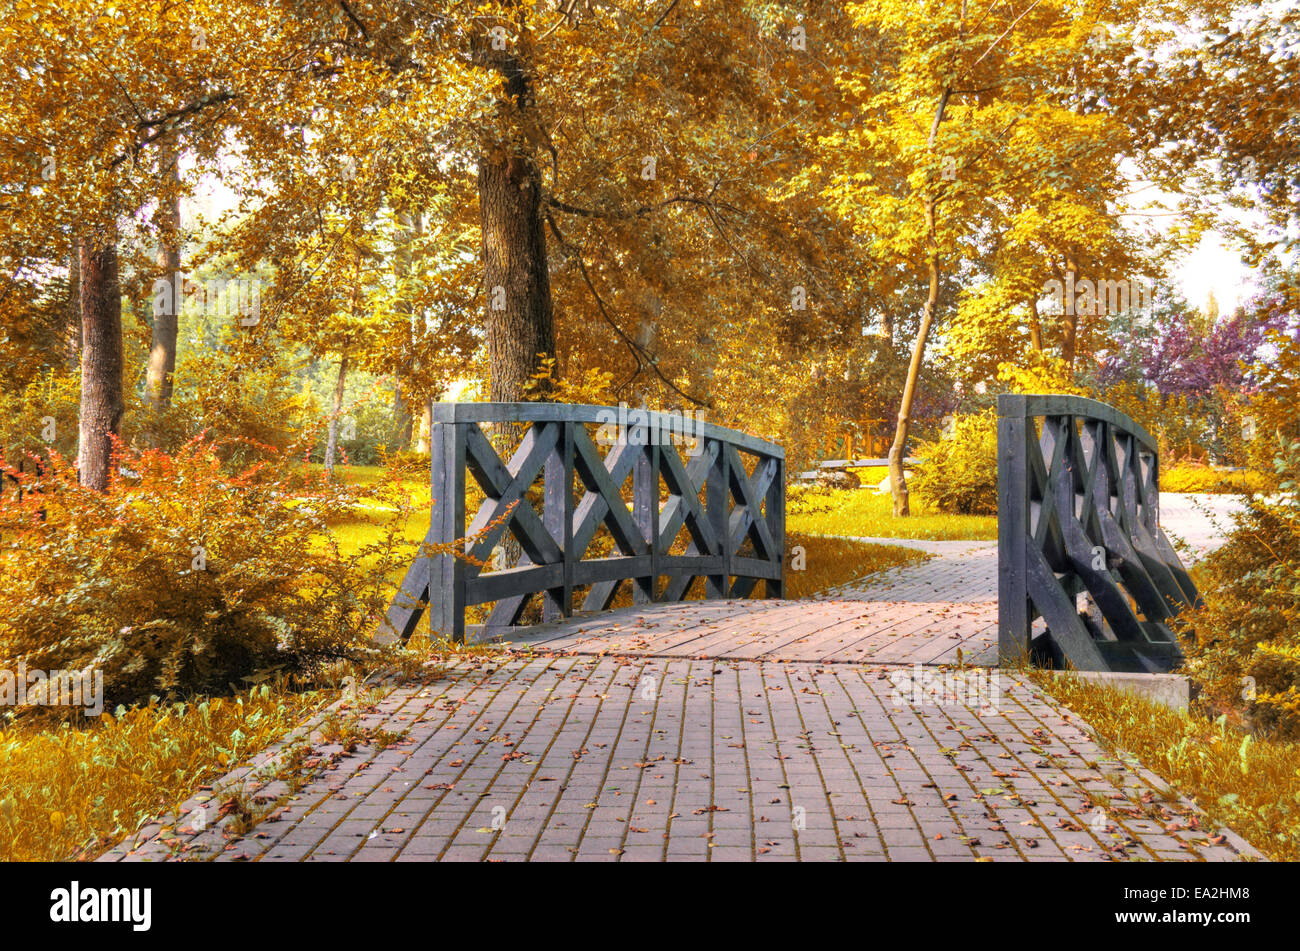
(964, 128)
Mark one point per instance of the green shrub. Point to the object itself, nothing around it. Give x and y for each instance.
(184, 579)
(1246, 649)
(960, 472)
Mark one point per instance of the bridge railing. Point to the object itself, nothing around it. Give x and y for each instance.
(1079, 539)
(706, 503)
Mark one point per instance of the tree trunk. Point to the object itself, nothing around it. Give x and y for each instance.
(403, 420)
(897, 478)
(332, 439)
(426, 423)
(1070, 313)
(402, 255)
(520, 322)
(72, 310)
(101, 360)
(162, 351)
(1035, 327)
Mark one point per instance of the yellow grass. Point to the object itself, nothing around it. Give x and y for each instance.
(70, 792)
(1247, 783)
(865, 513)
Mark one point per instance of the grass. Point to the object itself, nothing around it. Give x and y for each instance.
(71, 792)
(864, 513)
(832, 562)
(1249, 784)
(1187, 477)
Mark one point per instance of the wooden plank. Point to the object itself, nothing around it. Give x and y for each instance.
(557, 516)
(508, 582)
(645, 513)
(716, 498)
(594, 570)
(774, 512)
(602, 594)
(1058, 610)
(755, 568)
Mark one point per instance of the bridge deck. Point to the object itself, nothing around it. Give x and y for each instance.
(917, 614)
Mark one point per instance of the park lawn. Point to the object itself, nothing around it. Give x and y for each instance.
(832, 562)
(1247, 783)
(368, 521)
(865, 513)
(1186, 477)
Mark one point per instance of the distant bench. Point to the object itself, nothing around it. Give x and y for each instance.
(842, 465)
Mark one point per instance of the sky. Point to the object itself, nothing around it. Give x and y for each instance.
(1212, 266)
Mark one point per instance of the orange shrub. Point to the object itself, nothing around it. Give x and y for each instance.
(183, 578)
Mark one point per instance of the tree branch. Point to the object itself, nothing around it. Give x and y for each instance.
(642, 356)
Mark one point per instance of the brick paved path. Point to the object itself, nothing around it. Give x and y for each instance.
(607, 758)
(760, 731)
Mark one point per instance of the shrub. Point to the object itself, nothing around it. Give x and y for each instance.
(1271, 421)
(960, 472)
(1246, 649)
(241, 396)
(182, 579)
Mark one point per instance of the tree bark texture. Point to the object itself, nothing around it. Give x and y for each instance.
(101, 360)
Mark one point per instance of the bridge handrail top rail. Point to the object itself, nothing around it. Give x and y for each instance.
(1029, 405)
(472, 412)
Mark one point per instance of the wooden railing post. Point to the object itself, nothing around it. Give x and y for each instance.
(1013, 532)
(774, 513)
(447, 572)
(717, 494)
(557, 516)
(645, 512)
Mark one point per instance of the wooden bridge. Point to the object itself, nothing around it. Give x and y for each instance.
(858, 725)
(680, 512)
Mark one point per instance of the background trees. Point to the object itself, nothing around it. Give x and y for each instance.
(791, 215)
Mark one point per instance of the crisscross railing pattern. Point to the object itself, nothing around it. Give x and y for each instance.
(1079, 521)
(698, 511)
